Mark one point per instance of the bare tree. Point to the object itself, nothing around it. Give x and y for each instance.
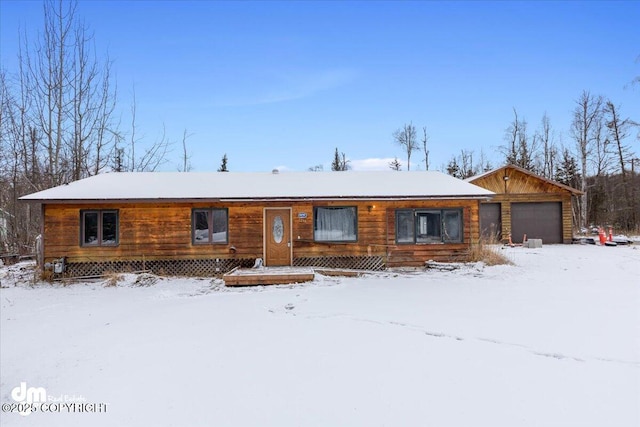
(510, 151)
(526, 148)
(133, 138)
(549, 148)
(153, 156)
(467, 168)
(484, 163)
(71, 96)
(618, 130)
(93, 103)
(20, 161)
(425, 149)
(395, 164)
(520, 150)
(106, 128)
(50, 69)
(186, 157)
(602, 158)
(57, 120)
(406, 138)
(585, 117)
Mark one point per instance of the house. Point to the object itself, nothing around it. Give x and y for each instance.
(208, 223)
(525, 204)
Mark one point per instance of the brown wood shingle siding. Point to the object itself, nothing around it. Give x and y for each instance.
(161, 231)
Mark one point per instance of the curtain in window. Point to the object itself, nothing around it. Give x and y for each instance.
(452, 226)
(335, 224)
(219, 226)
(404, 227)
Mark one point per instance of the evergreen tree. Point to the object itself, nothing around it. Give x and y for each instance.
(453, 168)
(335, 165)
(118, 160)
(395, 164)
(567, 171)
(223, 164)
(340, 162)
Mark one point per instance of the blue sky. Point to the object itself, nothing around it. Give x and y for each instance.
(282, 84)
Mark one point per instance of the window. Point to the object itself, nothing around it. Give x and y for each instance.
(99, 228)
(429, 226)
(404, 227)
(335, 224)
(210, 226)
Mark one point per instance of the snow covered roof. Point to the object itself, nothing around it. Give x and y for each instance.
(244, 185)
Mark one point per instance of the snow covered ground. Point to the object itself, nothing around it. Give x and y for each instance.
(551, 340)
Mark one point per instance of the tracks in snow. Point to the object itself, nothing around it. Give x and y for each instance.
(457, 338)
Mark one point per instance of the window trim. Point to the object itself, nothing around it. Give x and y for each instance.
(100, 213)
(315, 217)
(442, 212)
(209, 213)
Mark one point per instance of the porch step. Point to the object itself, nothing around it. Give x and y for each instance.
(268, 276)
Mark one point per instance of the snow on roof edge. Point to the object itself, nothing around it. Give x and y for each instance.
(260, 185)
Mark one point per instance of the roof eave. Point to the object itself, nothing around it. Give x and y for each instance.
(259, 199)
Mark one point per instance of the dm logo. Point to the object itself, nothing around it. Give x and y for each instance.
(22, 394)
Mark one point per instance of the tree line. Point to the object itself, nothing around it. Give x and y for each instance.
(59, 123)
(598, 160)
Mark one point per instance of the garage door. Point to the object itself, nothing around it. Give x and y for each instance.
(490, 221)
(537, 221)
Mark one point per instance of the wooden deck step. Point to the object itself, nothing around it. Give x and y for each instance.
(268, 276)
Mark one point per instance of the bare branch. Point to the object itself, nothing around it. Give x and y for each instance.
(406, 138)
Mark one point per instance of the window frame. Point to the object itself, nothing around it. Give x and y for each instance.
(100, 227)
(424, 211)
(315, 219)
(210, 216)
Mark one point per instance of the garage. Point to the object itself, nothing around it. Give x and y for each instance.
(490, 225)
(537, 221)
(525, 203)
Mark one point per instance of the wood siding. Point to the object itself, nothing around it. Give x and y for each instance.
(518, 183)
(162, 231)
